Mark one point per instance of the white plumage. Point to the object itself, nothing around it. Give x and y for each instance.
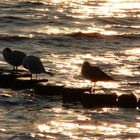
(13, 57)
(34, 65)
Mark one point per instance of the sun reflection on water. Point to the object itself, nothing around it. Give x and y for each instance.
(109, 85)
(118, 8)
(71, 68)
(134, 51)
(81, 125)
(85, 10)
(73, 129)
(78, 124)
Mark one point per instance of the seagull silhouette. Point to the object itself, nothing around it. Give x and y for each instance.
(94, 74)
(13, 57)
(34, 65)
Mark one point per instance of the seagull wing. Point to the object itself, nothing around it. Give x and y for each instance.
(96, 74)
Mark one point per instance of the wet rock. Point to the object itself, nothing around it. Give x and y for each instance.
(48, 89)
(127, 101)
(6, 80)
(8, 76)
(99, 100)
(68, 93)
(73, 94)
(25, 83)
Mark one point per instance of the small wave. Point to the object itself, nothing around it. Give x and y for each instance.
(116, 21)
(82, 34)
(11, 18)
(29, 4)
(8, 103)
(99, 35)
(12, 38)
(18, 21)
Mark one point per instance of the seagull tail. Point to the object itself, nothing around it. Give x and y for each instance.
(49, 73)
(115, 80)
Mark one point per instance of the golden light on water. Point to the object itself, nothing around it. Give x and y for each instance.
(43, 128)
(106, 59)
(70, 67)
(134, 51)
(59, 127)
(109, 8)
(71, 129)
(117, 8)
(3, 130)
(120, 66)
(109, 32)
(53, 29)
(35, 115)
(2, 62)
(81, 10)
(124, 71)
(83, 125)
(109, 85)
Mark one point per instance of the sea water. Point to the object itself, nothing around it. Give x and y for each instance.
(64, 34)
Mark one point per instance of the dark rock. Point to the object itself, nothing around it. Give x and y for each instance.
(7, 77)
(48, 89)
(6, 80)
(68, 93)
(73, 94)
(99, 100)
(25, 83)
(127, 101)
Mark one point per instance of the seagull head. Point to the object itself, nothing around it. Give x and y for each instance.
(86, 64)
(7, 50)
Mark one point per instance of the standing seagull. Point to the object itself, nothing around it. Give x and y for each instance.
(15, 58)
(34, 65)
(94, 74)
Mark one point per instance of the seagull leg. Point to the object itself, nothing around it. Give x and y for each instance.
(91, 88)
(36, 76)
(13, 68)
(94, 86)
(31, 76)
(16, 69)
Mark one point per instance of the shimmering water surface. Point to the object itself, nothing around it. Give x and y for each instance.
(64, 33)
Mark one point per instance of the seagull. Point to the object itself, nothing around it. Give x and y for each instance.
(34, 65)
(13, 57)
(94, 74)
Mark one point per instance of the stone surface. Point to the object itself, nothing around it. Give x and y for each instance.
(127, 101)
(99, 100)
(73, 94)
(25, 83)
(68, 93)
(48, 89)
